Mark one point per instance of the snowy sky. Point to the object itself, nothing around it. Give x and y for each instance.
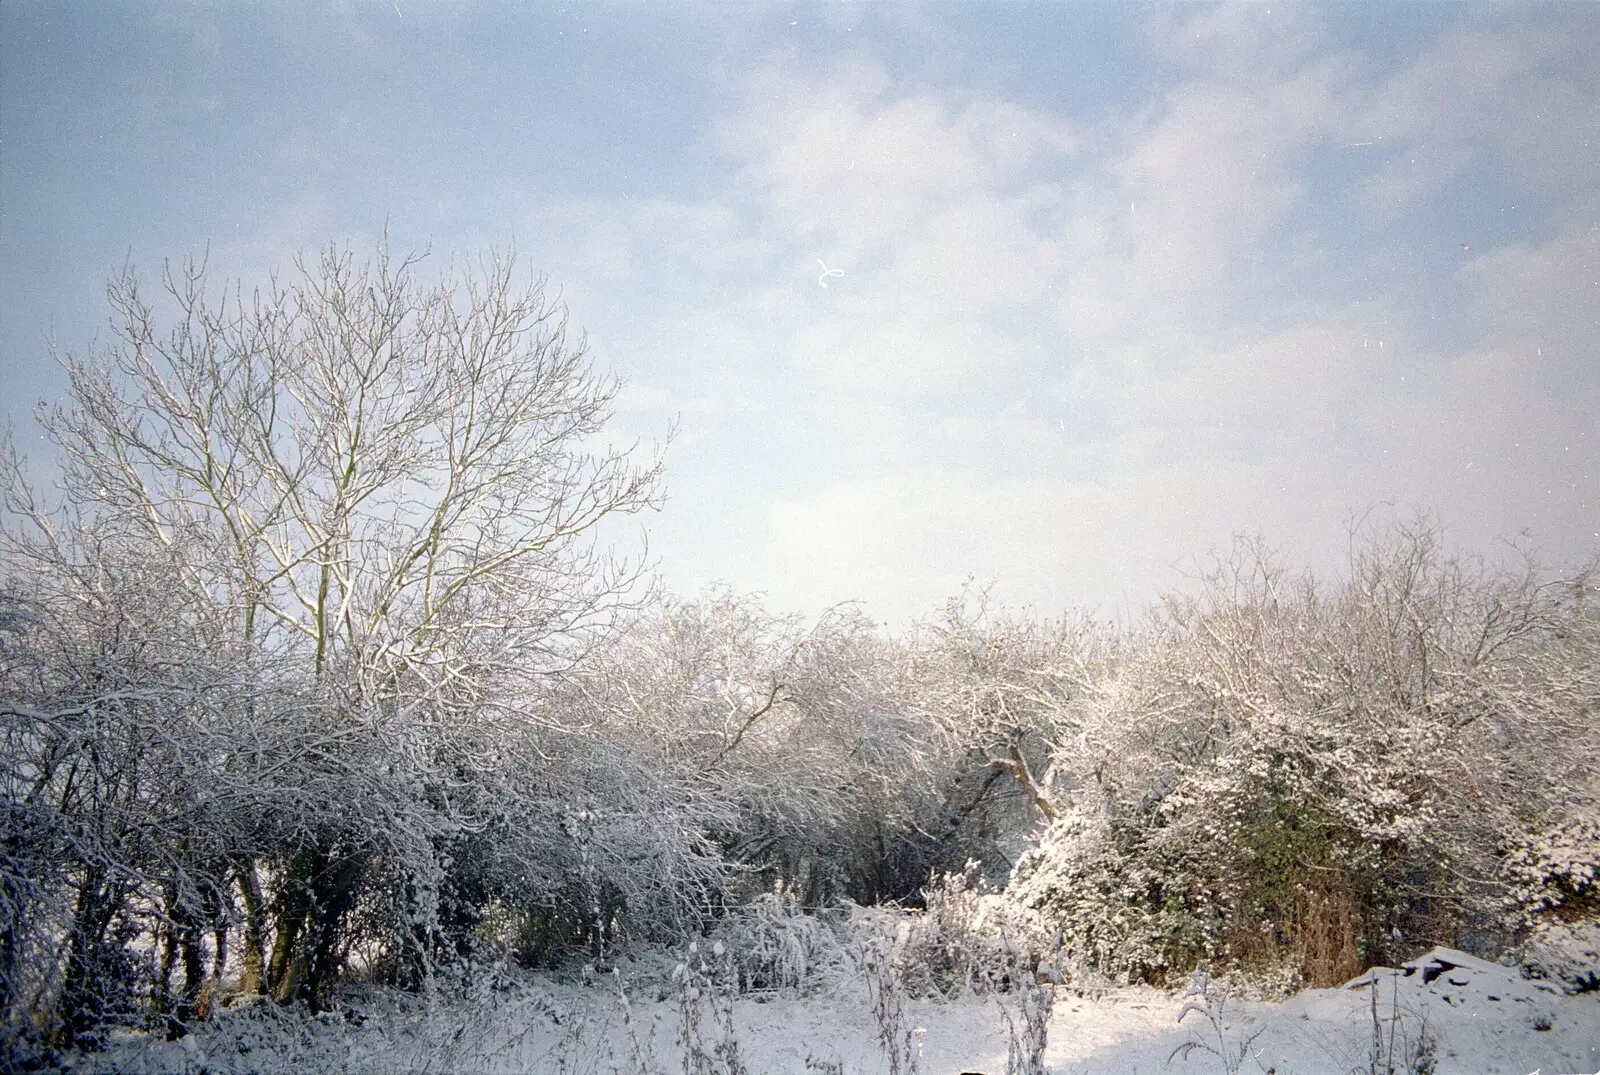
(1106, 283)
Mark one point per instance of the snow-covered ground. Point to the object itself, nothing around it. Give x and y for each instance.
(1459, 1013)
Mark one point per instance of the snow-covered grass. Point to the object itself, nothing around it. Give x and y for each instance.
(1445, 1012)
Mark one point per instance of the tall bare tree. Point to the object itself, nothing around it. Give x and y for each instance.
(395, 487)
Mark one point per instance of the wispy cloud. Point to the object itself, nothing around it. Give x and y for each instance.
(1274, 269)
(1059, 357)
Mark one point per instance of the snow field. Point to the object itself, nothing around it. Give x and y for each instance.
(1463, 1015)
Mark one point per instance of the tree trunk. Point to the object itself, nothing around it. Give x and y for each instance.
(219, 963)
(253, 958)
(316, 897)
(1017, 765)
(287, 970)
(336, 896)
(191, 941)
(181, 942)
(161, 995)
(82, 991)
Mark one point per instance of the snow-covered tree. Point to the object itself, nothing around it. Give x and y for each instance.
(1282, 768)
(364, 505)
(787, 750)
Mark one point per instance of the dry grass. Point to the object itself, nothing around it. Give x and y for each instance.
(1325, 926)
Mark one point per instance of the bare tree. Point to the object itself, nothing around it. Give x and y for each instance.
(996, 686)
(387, 472)
(383, 497)
(774, 742)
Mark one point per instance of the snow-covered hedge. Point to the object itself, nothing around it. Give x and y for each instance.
(1336, 772)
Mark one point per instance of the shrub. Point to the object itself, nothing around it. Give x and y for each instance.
(1332, 774)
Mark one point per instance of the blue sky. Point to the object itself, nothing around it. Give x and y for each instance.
(1117, 280)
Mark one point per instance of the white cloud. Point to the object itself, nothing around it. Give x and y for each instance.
(1545, 295)
(839, 159)
(1048, 361)
(1522, 96)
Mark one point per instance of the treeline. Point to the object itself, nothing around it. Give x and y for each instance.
(312, 667)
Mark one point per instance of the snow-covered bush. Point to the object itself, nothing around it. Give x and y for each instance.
(1119, 908)
(966, 939)
(314, 673)
(943, 953)
(1564, 952)
(1558, 870)
(1330, 771)
(772, 944)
